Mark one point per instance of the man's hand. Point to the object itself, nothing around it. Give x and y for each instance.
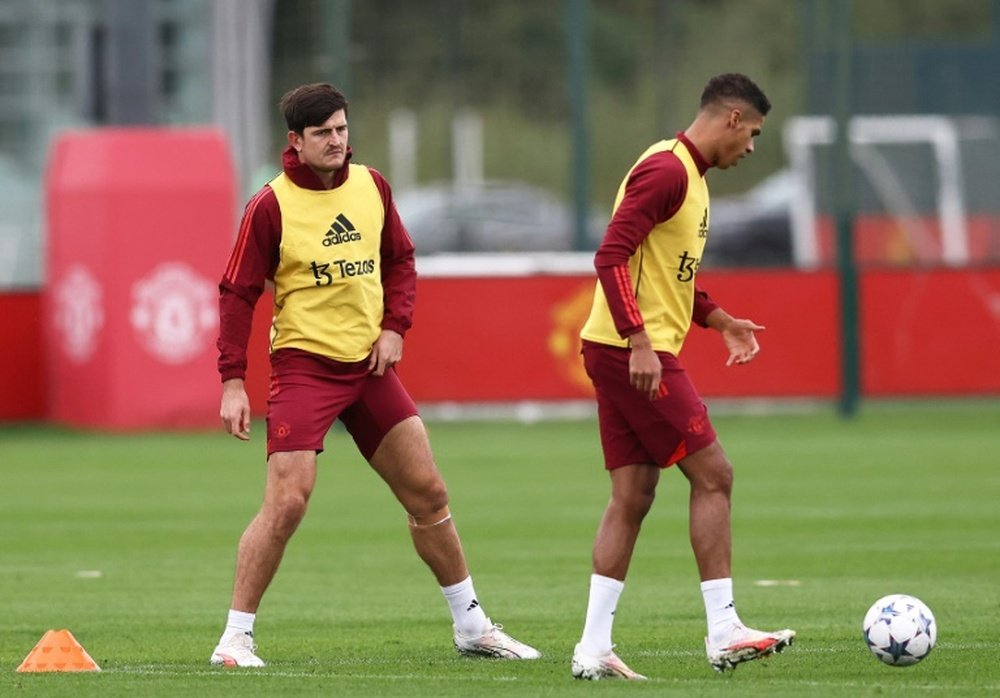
(738, 334)
(386, 352)
(740, 340)
(644, 367)
(235, 409)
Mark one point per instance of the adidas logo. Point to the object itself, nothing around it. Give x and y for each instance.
(472, 605)
(341, 230)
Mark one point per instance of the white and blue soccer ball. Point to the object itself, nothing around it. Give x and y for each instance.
(900, 630)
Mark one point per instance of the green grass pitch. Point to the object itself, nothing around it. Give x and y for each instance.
(129, 541)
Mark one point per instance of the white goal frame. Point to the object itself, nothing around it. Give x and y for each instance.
(801, 135)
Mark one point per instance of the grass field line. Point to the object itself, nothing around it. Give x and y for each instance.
(226, 674)
(798, 648)
(373, 661)
(184, 670)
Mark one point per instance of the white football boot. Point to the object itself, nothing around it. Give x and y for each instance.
(608, 666)
(495, 643)
(745, 644)
(237, 650)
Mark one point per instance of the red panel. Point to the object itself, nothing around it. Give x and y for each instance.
(504, 339)
(799, 349)
(498, 339)
(21, 367)
(140, 225)
(518, 338)
(930, 332)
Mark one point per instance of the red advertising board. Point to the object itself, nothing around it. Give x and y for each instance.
(140, 222)
(517, 338)
(22, 369)
(509, 337)
(930, 331)
(514, 337)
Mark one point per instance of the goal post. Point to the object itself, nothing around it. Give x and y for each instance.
(803, 134)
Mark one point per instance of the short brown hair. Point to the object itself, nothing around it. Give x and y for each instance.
(311, 105)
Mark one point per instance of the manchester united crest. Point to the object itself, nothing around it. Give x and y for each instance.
(174, 312)
(79, 313)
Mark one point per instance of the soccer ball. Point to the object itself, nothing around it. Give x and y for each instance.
(900, 630)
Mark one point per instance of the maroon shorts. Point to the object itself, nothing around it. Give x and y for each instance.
(309, 392)
(635, 429)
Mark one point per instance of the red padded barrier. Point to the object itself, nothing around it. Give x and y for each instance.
(518, 338)
(140, 223)
(22, 374)
(924, 332)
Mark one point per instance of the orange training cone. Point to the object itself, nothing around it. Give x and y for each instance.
(58, 650)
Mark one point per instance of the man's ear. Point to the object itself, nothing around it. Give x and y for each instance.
(295, 140)
(735, 117)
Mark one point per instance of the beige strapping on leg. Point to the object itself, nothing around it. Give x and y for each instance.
(435, 518)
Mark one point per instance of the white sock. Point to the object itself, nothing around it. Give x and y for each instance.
(720, 609)
(468, 615)
(238, 622)
(604, 595)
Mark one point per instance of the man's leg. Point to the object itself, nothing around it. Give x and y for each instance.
(290, 480)
(404, 460)
(633, 488)
(291, 477)
(728, 642)
(710, 475)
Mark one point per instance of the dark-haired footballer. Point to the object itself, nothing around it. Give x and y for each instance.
(649, 414)
(325, 231)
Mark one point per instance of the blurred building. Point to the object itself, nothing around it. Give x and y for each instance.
(470, 102)
(68, 64)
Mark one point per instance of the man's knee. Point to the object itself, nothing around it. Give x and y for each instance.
(286, 511)
(636, 500)
(633, 504)
(428, 494)
(633, 489)
(290, 482)
(416, 482)
(709, 469)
